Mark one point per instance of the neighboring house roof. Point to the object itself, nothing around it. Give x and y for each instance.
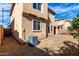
(63, 19)
(68, 21)
(60, 24)
(60, 19)
(51, 11)
(12, 7)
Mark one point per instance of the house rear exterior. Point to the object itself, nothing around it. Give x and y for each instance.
(29, 19)
(52, 26)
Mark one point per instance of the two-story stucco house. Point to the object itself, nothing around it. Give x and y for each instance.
(52, 26)
(29, 19)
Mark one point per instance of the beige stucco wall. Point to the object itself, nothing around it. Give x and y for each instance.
(22, 24)
(28, 8)
(52, 22)
(66, 24)
(27, 21)
(16, 20)
(27, 26)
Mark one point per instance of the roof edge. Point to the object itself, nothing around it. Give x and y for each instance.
(51, 11)
(12, 7)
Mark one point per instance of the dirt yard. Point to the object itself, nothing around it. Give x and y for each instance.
(54, 45)
(60, 45)
(11, 47)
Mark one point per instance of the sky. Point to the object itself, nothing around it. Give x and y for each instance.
(62, 10)
(6, 18)
(65, 10)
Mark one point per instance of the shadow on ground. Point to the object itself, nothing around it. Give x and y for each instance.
(12, 48)
(69, 49)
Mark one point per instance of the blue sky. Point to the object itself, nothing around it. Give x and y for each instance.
(65, 10)
(6, 19)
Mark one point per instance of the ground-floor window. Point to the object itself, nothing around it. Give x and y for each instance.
(36, 25)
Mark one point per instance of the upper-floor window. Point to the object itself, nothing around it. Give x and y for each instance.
(37, 6)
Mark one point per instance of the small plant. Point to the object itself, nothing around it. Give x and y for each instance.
(70, 28)
(75, 25)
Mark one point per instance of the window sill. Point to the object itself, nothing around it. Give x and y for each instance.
(36, 30)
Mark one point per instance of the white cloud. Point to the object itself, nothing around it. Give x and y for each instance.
(59, 9)
(76, 7)
(65, 10)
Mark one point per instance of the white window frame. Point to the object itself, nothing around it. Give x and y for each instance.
(42, 8)
(32, 25)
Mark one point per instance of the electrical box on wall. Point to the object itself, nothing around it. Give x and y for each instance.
(33, 40)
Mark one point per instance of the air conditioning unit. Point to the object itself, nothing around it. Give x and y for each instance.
(32, 40)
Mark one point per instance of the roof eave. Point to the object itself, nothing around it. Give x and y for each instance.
(51, 11)
(12, 7)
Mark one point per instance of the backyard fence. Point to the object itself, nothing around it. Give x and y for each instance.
(1, 34)
(7, 32)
